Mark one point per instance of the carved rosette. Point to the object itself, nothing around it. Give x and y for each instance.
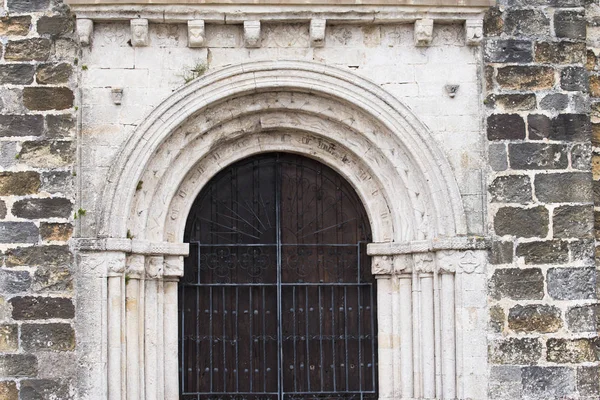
(139, 33)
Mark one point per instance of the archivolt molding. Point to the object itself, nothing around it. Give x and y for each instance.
(388, 139)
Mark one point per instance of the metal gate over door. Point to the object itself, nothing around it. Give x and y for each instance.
(277, 300)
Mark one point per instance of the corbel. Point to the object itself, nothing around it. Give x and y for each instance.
(317, 32)
(473, 31)
(196, 33)
(139, 33)
(173, 267)
(85, 28)
(423, 32)
(252, 33)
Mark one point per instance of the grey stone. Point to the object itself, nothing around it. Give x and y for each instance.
(519, 351)
(507, 51)
(527, 156)
(572, 283)
(53, 73)
(3, 209)
(42, 208)
(570, 24)
(16, 74)
(547, 382)
(522, 222)
(582, 250)
(18, 365)
(48, 153)
(34, 49)
(45, 389)
(31, 308)
(530, 22)
(57, 182)
(493, 23)
(55, 25)
(18, 232)
(583, 318)
(8, 152)
(497, 156)
(511, 189)
(555, 101)
(60, 126)
(534, 318)
(588, 381)
(505, 127)
(580, 103)
(501, 253)
(52, 279)
(54, 255)
(12, 282)
(505, 382)
(574, 79)
(517, 284)
(581, 156)
(545, 252)
(566, 187)
(573, 221)
(56, 337)
(21, 125)
(23, 6)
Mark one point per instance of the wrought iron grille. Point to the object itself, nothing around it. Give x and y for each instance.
(277, 300)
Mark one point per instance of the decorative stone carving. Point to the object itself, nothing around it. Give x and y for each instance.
(402, 264)
(473, 31)
(252, 33)
(85, 28)
(154, 267)
(173, 267)
(115, 264)
(452, 90)
(469, 262)
(135, 266)
(117, 95)
(382, 265)
(139, 33)
(423, 32)
(196, 34)
(424, 262)
(317, 32)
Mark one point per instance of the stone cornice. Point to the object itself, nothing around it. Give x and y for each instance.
(425, 246)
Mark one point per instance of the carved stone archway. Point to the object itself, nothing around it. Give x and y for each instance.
(421, 252)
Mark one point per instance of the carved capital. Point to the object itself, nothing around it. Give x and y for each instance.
(135, 266)
(252, 33)
(196, 35)
(139, 33)
(447, 261)
(424, 262)
(173, 267)
(382, 265)
(115, 263)
(317, 32)
(85, 28)
(403, 264)
(474, 31)
(154, 267)
(423, 32)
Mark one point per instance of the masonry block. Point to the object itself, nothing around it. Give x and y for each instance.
(517, 284)
(522, 222)
(534, 318)
(577, 283)
(31, 308)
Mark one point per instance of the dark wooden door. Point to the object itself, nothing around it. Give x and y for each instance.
(277, 300)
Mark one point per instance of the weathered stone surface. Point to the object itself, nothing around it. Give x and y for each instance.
(523, 351)
(534, 318)
(501, 252)
(527, 156)
(572, 283)
(17, 365)
(47, 154)
(15, 26)
(522, 222)
(51, 231)
(574, 79)
(21, 125)
(594, 81)
(570, 25)
(42, 208)
(2, 209)
(57, 256)
(571, 351)
(573, 221)
(8, 390)
(54, 25)
(42, 389)
(23, 6)
(547, 382)
(511, 189)
(9, 338)
(19, 183)
(48, 98)
(18, 232)
(568, 127)
(493, 23)
(523, 77)
(581, 156)
(34, 49)
(29, 308)
(497, 156)
(530, 22)
(52, 279)
(12, 282)
(512, 102)
(546, 252)
(57, 337)
(53, 74)
(505, 382)
(565, 187)
(505, 127)
(555, 101)
(583, 318)
(497, 318)
(517, 284)
(582, 250)
(560, 52)
(60, 126)
(57, 182)
(8, 152)
(16, 74)
(588, 382)
(505, 51)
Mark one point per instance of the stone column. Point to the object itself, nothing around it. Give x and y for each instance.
(173, 270)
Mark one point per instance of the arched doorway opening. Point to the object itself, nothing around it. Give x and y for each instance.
(277, 300)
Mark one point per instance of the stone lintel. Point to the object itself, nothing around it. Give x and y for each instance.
(133, 246)
(429, 245)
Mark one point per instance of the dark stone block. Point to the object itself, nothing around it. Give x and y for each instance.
(572, 283)
(582, 250)
(497, 156)
(505, 127)
(15, 26)
(531, 22)
(547, 382)
(555, 101)
(21, 125)
(23, 6)
(54, 73)
(18, 365)
(581, 156)
(18, 232)
(48, 98)
(57, 182)
(565, 187)
(47, 154)
(28, 308)
(560, 52)
(19, 183)
(511, 189)
(566, 3)
(55, 25)
(56, 337)
(12, 282)
(57, 256)
(546, 252)
(52, 231)
(588, 381)
(493, 23)
(508, 51)
(60, 126)
(522, 222)
(2, 209)
(505, 382)
(497, 318)
(540, 126)
(517, 284)
(52, 279)
(529, 156)
(35, 49)
(525, 77)
(501, 253)
(536, 318)
(570, 24)
(568, 127)
(42, 208)
(42, 389)
(573, 221)
(574, 79)
(571, 351)
(16, 74)
(584, 318)
(515, 351)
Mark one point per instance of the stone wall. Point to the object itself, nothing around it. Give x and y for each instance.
(37, 155)
(542, 288)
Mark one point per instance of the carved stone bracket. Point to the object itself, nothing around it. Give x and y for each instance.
(252, 33)
(85, 28)
(317, 32)
(196, 35)
(474, 31)
(139, 33)
(423, 32)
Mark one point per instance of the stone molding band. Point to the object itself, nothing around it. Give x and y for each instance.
(132, 246)
(429, 245)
